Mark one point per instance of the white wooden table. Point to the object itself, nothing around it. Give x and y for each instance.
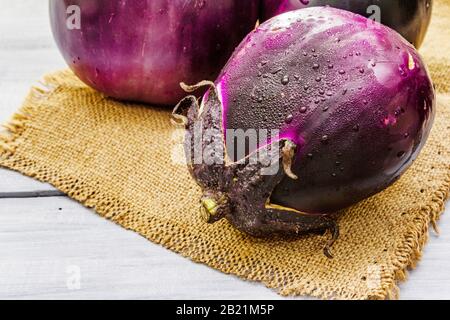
(53, 248)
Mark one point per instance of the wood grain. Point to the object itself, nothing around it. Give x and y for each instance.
(45, 241)
(14, 185)
(42, 240)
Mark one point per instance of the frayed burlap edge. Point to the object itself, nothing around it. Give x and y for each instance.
(407, 255)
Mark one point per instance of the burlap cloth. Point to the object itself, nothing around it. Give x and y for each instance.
(118, 159)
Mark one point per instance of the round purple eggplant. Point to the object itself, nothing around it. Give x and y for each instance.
(410, 18)
(140, 50)
(352, 104)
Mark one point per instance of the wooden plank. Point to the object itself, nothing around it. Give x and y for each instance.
(15, 185)
(46, 243)
(14, 90)
(27, 52)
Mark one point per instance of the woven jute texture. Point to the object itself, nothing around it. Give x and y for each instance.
(119, 159)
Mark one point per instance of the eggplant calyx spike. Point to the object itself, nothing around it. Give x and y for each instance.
(288, 153)
(334, 229)
(192, 88)
(180, 112)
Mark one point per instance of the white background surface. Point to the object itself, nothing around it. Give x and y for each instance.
(46, 239)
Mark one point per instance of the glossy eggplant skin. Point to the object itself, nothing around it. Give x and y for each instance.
(358, 102)
(141, 50)
(410, 18)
